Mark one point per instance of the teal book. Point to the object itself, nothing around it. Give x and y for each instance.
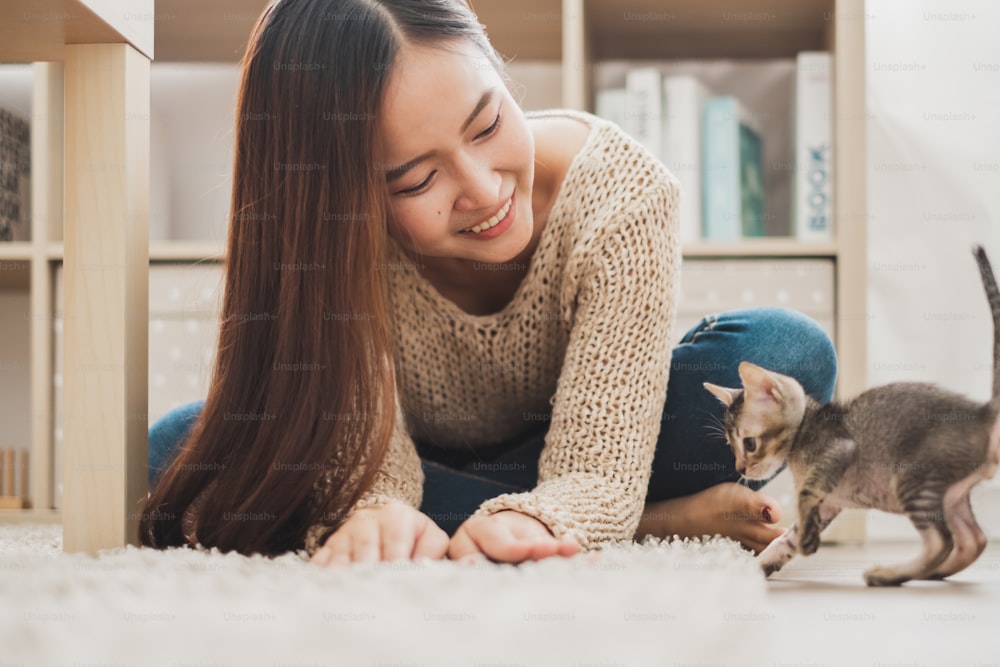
(732, 172)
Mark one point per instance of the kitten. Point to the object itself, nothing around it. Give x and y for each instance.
(907, 448)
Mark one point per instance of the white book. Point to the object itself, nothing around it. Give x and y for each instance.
(684, 98)
(813, 188)
(644, 112)
(611, 104)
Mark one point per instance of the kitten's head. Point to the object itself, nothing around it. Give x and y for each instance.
(761, 419)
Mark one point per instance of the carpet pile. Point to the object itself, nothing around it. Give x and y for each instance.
(657, 603)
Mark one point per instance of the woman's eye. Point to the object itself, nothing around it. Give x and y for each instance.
(417, 188)
(491, 129)
(750, 444)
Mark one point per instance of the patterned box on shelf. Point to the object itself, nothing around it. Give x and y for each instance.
(184, 303)
(715, 285)
(15, 173)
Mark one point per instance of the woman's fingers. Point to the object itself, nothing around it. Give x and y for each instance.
(462, 544)
(431, 542)
(389, 532)
(510, 537)
(398, 539)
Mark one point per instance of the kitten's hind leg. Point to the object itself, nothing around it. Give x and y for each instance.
(970, 540)
(926, 513)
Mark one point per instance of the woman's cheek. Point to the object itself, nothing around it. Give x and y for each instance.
(419, 219)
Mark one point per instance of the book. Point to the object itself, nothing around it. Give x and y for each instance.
(644, 108)
(812, 189)
(611, 104)
(684, 98)
(15, 173)
(732, 171)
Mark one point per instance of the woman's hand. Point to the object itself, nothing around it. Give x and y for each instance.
(728, 509)
(391, 531)
(508, 537)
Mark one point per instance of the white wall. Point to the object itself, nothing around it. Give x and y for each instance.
(933, 78)
(193, 108)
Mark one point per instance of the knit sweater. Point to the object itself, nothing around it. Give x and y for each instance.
(585, 343)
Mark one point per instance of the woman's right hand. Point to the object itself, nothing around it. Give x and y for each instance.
(391, 531)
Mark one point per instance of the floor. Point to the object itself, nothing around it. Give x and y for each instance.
(825, 615)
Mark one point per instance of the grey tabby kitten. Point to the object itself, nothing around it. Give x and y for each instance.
(906, 448)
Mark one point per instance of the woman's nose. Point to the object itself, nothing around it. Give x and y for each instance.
(480, 187)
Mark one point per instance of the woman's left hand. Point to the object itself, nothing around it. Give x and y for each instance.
(508, 537)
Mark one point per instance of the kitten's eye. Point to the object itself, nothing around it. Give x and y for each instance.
(750, 444)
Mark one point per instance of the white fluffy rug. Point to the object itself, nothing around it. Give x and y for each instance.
(653, 604)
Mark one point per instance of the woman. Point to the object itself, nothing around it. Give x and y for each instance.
(446, 328)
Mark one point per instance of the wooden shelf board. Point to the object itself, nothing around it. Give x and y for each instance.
(193, 251)
(30, 516)
(16, 250)
(186, 251)
(760, 247)
(165, 251)
(217, 31)
(651, 29)
(40, 29)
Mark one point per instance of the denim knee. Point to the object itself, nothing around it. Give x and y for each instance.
(800, 349)
(167, 435)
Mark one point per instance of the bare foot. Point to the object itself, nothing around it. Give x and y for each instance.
(728, 509)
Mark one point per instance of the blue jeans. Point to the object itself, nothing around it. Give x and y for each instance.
(690, 454)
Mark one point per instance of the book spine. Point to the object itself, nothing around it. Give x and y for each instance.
(644, 112)
(720, 170)
(612, 104)
(684, 97)
(751, 189)
(813, 189)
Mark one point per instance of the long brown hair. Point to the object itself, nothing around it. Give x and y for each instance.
(302, 392)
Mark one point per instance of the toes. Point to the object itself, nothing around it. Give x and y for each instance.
(884, 576)
(760, 506)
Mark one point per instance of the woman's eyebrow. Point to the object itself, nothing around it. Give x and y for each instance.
(396, 173)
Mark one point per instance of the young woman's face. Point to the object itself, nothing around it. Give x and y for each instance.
(457, 154)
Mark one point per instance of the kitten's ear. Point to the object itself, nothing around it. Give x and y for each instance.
(760, 383)
(727, 396)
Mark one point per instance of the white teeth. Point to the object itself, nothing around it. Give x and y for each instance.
(492, 222)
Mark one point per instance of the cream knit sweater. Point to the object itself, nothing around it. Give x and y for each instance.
(585, 339)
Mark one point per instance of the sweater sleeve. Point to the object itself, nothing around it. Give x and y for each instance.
(400, 478)
(595, 467)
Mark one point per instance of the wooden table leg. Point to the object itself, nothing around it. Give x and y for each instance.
(106, 230)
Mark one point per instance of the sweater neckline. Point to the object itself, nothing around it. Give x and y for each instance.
(555, 214)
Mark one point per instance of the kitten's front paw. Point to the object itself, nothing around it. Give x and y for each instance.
(774, 557)
(769, 568)
(884, 576)
(808, 542)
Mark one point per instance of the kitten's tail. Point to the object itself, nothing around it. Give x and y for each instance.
(993, 296)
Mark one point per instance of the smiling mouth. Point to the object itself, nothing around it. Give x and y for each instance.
(493, 221)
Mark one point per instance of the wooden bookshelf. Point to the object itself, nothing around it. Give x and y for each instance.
(575, 33)
(90, 178)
